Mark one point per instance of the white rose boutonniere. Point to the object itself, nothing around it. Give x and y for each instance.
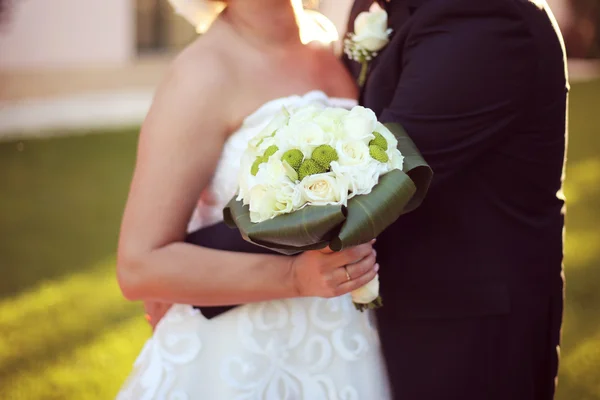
(371, 34)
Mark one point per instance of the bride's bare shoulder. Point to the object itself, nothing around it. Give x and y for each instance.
(200, 64)
(195, 91)
(197, 79)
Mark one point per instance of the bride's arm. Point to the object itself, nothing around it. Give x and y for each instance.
(179, 146)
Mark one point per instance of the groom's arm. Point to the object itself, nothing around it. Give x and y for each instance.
(221, 237)
(464, 79)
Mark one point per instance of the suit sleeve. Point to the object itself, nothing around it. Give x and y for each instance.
(463, 83)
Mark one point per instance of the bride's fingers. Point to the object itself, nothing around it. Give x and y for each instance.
(360, 268)
(359, 282)
(353, 271)
(351, 255)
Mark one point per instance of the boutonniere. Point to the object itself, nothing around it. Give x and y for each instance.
(371, 34)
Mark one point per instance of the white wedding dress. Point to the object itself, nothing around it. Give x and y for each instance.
(295, 349)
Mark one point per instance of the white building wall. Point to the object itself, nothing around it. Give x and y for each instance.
(55, 34)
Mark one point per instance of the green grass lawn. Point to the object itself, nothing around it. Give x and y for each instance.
(65, 331)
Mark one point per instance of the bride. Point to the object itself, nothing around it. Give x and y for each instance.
(298, 336)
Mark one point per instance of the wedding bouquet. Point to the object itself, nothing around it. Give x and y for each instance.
(320, 176)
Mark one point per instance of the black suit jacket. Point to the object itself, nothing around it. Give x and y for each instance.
(480, 87)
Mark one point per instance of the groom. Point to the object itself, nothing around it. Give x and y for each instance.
(472, 279)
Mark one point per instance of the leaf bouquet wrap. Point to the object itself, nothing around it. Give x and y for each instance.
(318, 177)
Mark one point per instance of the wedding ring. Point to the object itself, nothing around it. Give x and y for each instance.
(347, 273)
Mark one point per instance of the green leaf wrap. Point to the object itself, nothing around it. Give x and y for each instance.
(339, 227)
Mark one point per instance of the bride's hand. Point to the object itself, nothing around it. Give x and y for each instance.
(327, 274)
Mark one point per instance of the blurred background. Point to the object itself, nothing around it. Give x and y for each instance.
(76, 79)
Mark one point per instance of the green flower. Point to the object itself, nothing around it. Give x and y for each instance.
(324, 155)
(270, 151)
(310, 167)
(378, 154)
(256, 164)
(379, 141)
(294, 158)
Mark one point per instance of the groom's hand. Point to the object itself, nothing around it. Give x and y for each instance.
(330, 274)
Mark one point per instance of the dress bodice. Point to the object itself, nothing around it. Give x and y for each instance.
(225, 179)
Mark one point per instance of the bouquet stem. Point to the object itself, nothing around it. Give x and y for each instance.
(375, 304)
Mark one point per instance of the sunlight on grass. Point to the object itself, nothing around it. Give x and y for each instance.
(76, 334)
(583, 179)
(579, 366)
(93, 371)
(65, 330)
(587, 356)
(582, 248)
(580, 352)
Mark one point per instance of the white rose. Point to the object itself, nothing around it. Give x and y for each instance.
(334, 112)
(265, 144)
(272, 172)
(279, 121)
(268, 201)
(245, 178)
(262, 203)
(359, 124)
(367, 293)
(330, 120)
(360, 179)
(305, 136)
(305, 113)
(323, 189)
(371, 29)
(289, 198)
(396, 160)
(352, 153)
